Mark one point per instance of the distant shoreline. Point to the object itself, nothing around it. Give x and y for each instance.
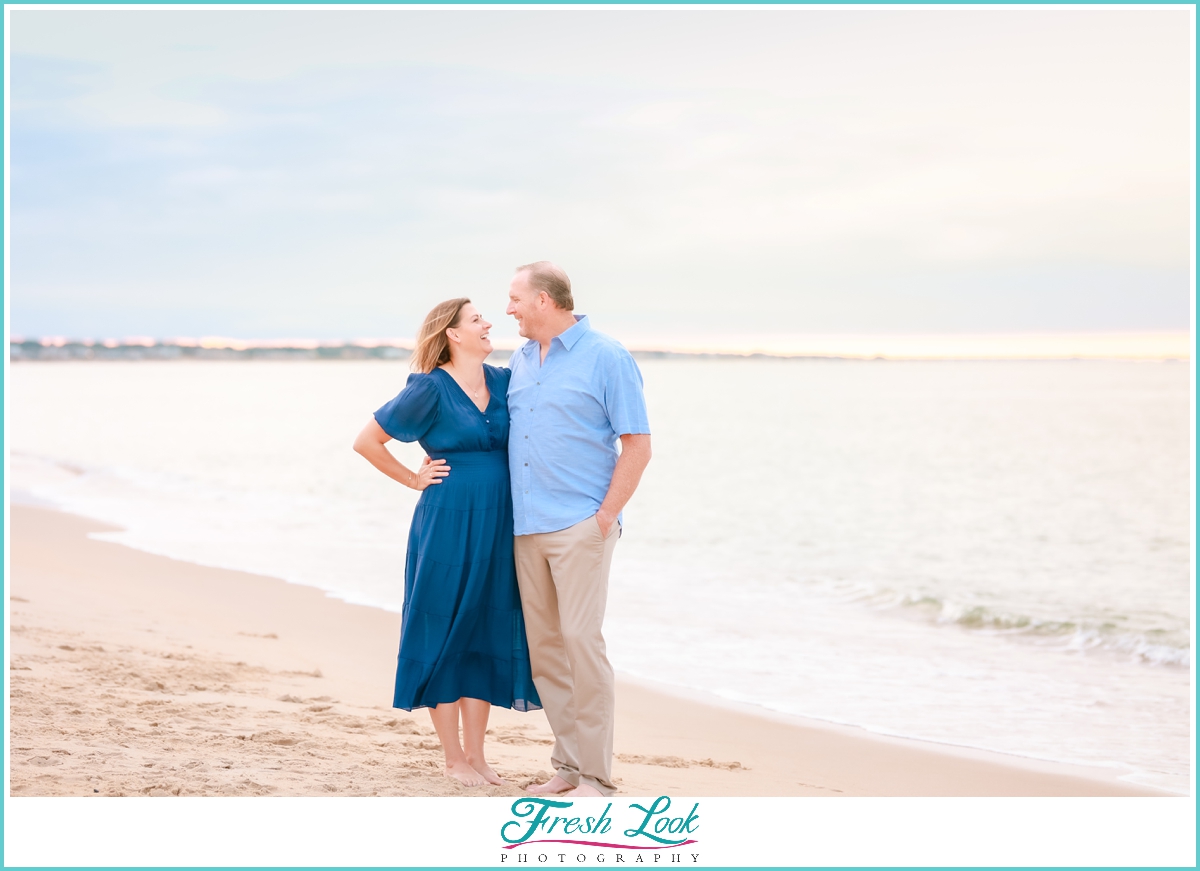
(58, 350)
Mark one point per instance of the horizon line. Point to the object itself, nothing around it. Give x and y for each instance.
(1100, 345)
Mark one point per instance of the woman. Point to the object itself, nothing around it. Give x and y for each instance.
(462, 636)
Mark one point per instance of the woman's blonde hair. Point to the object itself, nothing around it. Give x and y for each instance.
(433, 348)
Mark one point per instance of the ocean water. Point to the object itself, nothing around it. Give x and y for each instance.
(987, 554)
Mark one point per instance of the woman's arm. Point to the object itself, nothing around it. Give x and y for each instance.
(370, 443)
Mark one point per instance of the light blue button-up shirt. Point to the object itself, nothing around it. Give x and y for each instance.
(567, 414)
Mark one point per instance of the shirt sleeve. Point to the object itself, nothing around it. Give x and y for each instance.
(623, 399)
(411, 414)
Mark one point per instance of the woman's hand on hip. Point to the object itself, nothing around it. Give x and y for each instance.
(431, 472)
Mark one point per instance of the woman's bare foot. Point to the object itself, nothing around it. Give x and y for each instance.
(553, 786)
(486, 771)
(465, 774)
(585, 790)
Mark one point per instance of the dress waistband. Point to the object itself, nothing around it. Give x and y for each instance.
(472, 458)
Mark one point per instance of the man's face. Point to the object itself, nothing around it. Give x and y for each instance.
(523, 305)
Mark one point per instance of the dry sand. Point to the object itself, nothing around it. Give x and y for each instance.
(134, 674)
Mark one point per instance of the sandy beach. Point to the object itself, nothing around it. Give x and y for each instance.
(134, 674)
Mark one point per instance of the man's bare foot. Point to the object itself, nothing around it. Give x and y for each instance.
(486, 771)
(553, 786)
(585, 791)
(465, 774)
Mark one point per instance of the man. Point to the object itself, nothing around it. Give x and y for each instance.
(573, 393)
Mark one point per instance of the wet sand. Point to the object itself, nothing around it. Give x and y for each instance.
(134, 674)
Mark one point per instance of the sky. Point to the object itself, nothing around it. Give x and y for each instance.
(698, 173)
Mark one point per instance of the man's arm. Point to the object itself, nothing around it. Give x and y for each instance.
(635, 456)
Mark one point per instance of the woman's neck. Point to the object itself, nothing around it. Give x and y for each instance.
(468, 372)
(466, 366)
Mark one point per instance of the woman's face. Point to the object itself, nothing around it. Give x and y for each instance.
(472, 332)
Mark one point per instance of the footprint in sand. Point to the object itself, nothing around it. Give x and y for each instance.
(521, 740)
(679, 762)
(406, 727)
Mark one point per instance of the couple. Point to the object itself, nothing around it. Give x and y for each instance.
(548, 424)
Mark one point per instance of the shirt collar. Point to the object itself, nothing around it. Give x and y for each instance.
(567, 338)
(571, 335)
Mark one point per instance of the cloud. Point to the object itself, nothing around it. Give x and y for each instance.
(917, 168)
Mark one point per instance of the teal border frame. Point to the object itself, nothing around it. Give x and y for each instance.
(546, 3)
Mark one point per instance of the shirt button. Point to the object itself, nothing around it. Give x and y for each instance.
(527, 464)
(526, 436)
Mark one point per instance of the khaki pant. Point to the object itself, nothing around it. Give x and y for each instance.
(563, 578)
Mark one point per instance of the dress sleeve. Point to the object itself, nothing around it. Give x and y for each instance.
(411, 414)
(498, 378)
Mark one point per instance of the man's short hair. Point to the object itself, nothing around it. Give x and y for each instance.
(544, 275)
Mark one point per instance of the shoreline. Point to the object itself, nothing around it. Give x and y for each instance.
(1137, 347)
(1116, 773)
(190, 680)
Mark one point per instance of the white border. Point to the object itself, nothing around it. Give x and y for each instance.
(7, 363)
(831, 832)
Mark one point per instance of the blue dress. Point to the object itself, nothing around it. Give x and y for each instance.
(462, 632)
